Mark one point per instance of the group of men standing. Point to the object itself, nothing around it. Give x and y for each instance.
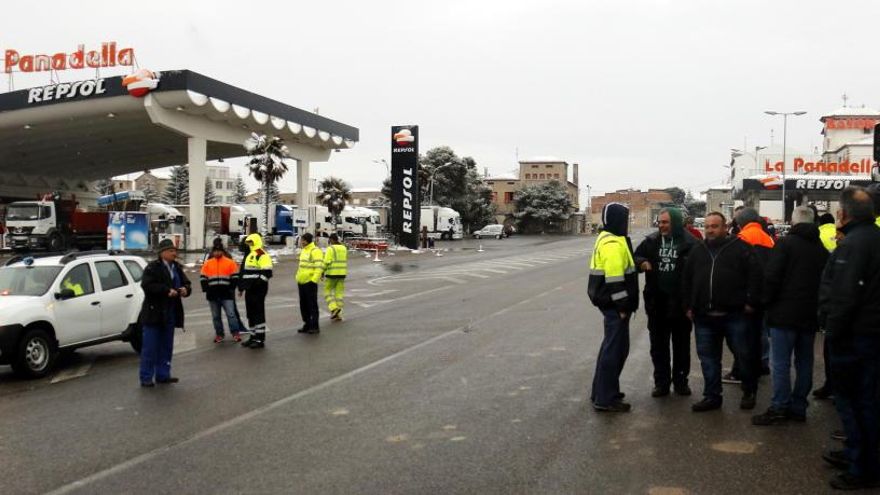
(768, 299)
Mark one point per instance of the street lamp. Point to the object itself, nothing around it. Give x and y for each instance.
(431, 193)
(784, 132)
(383, 162)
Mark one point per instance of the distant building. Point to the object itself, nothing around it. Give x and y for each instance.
(365, 197)
(720, 198)
(643, 206)
(224, 185)
(534, 171)
(157, 183)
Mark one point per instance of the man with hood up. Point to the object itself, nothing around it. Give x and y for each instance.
(661, 256)
(254, 282)
(614, 289)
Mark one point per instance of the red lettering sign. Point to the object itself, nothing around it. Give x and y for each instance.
(107, 56)
(851, 123)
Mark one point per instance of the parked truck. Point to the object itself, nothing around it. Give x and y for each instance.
(354, 221)
(54, 224)
(442, 222)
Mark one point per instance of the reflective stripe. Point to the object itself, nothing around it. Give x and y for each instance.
(597, 271)
(611, 280)
(618, 296)
(263, 277)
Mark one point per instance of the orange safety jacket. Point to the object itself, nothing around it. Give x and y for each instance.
(217, 278)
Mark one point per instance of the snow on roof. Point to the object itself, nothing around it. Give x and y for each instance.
(543, 159)
(502, 177)
(852, 112)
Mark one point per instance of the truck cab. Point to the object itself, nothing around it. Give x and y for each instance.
(33, 224)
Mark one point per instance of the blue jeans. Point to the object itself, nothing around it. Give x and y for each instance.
(710, 332)
(612, 356)
(156, 351)
(784, 342)
(855, 371)
(228, 306)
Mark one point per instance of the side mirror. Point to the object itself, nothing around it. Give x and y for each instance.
(65, 294)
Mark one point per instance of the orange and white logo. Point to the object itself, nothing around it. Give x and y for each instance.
(771, 182)
(404, 137)
(141, 82)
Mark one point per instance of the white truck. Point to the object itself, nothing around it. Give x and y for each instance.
(354, 221)
(442, 222)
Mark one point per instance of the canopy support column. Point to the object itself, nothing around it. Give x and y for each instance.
(197, 150)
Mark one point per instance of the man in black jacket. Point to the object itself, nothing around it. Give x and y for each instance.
(791, 298)
(661, 256)
(850, 313)
(164, 284)
(721, 281)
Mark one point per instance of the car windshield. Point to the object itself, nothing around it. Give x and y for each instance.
(23, 212)
(27, 280)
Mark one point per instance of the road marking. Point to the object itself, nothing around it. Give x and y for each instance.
(250, 415)
(184, 342)
(75, 372)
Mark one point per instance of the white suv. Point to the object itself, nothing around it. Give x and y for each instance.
(53, 302)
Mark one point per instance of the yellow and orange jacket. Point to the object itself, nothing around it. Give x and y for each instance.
(217, 278)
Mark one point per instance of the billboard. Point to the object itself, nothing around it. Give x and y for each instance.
(128, 230)
(405, 201)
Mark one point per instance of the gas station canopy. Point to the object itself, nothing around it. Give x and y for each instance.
(104, 127)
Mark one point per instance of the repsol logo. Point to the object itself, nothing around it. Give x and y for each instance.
(403, 150)
(407, 200)
(821, 184)
(66, 90)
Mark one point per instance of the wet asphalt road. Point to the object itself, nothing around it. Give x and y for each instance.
(465, 373)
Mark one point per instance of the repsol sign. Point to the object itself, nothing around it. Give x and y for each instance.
(405, 201)
(821, 184)
(62, 91)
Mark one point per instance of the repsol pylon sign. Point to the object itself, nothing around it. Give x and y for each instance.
(405, 201)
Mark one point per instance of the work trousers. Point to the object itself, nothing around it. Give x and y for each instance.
(662, 330)
(308, 305)
(612, 356)
(334, 291)
(255, 303)
(156, 350)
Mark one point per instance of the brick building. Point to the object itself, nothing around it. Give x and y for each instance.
(532, 171)
(643, 206)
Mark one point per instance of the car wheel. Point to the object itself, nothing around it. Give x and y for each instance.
(498, 236)
(36, 354)
(136, 339)
(477, 236)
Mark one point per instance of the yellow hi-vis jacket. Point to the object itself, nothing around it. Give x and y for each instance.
(614, 282)
(828, 236)
(257, 266)
(336, 261)
(311, 265)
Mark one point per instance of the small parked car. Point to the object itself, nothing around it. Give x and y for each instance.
(493, 230)
(52, 303)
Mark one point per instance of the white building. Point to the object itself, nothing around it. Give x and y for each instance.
(224, 185)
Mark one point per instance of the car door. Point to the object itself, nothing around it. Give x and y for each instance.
(77, 319)
(117, 295)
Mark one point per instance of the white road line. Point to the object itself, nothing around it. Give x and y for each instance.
(244, 418)
(184, 341)
(75, 372)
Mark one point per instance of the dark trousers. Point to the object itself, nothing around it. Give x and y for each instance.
(710, 332)
(677, 329)
(786, 342)
(757, 346)
(255, 303)
(826, 362)
(855, 369)
(308, 305)
(612, 356)
(156, 351)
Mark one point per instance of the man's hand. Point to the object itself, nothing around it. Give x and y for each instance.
(645, 266)
(623, 315)
(182, 291)
(172, 293)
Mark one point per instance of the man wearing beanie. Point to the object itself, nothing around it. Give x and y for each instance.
(614, 289)
(661, 256)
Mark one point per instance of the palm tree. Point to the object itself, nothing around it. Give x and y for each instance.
(334, 193)
(266, 166)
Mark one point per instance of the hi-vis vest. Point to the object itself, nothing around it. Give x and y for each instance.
(257, 266)
(311, 265)
(336, 261)
(828, 236)
(613, 280)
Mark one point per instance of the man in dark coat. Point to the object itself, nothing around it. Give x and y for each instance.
(850, 314)
(661, 256)
(791, 299)
(721, 281)
(164, 284)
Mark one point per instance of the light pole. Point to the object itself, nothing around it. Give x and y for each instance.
(784, 133)
(383, 162)
(431, 194)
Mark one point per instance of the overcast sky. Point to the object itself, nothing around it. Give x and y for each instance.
(640, 93)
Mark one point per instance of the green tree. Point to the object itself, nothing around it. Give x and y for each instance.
(542, 207)
(177, 191)
(334, 193)
(150, 193)
(267, 166)
(241, 191)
